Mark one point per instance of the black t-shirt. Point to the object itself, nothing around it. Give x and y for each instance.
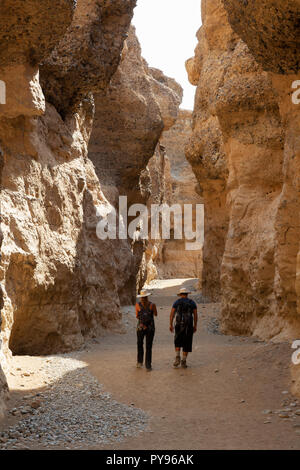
(187, 300)
(193, 307)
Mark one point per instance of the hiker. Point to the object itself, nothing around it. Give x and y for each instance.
(145, 313)
(185, 325)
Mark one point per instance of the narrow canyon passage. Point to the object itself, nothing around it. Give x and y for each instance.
(233, 396)
(118, 173)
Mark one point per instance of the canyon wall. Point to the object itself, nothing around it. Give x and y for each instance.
(3, 384)
(60, 283)
(139, 104)
(205, 149)
(250, 110)
(270, 28)
(50, 193)
(174, 260)
(26, 40)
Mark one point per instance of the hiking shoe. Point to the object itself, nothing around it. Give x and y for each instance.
(183, 364)
(139, 365)
(176, 362)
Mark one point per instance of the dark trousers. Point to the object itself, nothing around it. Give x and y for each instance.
(149, 335)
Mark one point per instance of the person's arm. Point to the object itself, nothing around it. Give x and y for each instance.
(137, 310)
(195, 319)
(154, 310)
(172, 319)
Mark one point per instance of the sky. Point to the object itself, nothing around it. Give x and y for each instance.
(167, 32)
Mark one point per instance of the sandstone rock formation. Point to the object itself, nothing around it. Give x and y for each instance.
(174, 260)
(270, 28)
(88, 54)
(251, 114)
(25, 40)
(30, 30)
(130, 117)
(160, 193)
(205, 149)
(138, 105)
(3, 384)
(274, 41)
(60, 282)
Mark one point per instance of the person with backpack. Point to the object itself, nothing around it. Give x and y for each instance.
(145, 313)
(185, 312)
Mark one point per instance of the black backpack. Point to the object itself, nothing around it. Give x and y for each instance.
(146, 315)
(184, 314)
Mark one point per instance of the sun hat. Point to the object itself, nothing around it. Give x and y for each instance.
(143, 293)
(184, 291)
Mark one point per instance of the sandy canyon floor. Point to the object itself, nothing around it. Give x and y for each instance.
(234, 394)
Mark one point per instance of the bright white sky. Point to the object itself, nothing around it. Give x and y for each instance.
(167, 32)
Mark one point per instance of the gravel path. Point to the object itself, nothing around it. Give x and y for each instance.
(73, 412)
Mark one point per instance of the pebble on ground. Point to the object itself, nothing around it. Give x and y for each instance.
(74, 412)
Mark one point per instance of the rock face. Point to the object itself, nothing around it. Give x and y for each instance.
(97, 34)
(249, 110)
(30, 30)
(160, 193)
(205, 149)
(61, 283)
(3, 384)
(130, 117)
(25, 41)
(270, 28)
(53, 271)
(50, 245)
(174, 260)
(274, 42)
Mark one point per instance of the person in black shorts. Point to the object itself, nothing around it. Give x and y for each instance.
(185, 312)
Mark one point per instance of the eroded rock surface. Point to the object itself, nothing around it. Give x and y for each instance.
(160, 193)
(26, 39)
(89, 53)
(138, 105)
(205, 149)
(270, 28)
(250, 110)
(175, 261)
(31, 29)
(3, 383)
(271, 31)
(61, 283)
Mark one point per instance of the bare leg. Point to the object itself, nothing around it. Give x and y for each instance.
(183, 362)
(177, 359)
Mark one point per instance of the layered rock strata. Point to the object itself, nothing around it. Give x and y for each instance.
(175, 260)
(270, 28)
(205, 149)
(138, 105)
(161, 193)
(252, 112)
(60, 282)
(25, 41)
(88, 54)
